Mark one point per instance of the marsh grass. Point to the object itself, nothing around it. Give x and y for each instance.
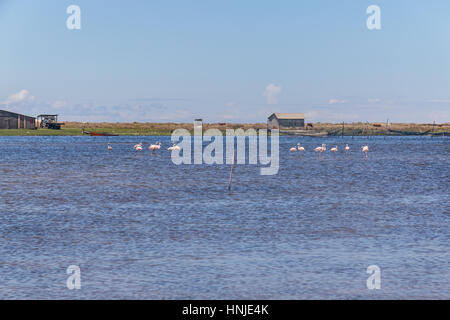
(161, 129)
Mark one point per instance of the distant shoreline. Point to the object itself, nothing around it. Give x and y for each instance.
(166, 129)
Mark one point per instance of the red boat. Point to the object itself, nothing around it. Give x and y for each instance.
(99, 134)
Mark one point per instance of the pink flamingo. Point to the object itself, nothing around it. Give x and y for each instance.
(174, 147)
(321, 149)
(155, 146)
(365, 149)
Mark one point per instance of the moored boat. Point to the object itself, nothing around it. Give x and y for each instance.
(99, 134)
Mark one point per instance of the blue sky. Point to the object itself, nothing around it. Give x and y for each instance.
(234, 60)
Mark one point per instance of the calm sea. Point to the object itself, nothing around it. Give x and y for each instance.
(140, 227)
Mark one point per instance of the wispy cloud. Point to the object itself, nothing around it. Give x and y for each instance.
(20, 97)
(271, 93)
(336, 101)
(324, 115)
(159, 99)
(59, 104)
(440, 100)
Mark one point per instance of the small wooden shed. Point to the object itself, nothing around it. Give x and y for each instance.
(286, 121)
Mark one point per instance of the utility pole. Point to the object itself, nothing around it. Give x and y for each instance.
(432, 130)
(387, 130)
(231, 172)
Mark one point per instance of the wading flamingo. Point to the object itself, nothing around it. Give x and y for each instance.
(299, 148)
(335, 149)
(321, 149)
(347, 148)
(109, 147)
(293, 149)
(155, 146)
(174, 147)
(365, 149)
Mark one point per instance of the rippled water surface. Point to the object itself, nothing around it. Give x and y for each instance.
(141, 227)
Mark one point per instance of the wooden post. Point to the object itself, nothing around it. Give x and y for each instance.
(367, 129)
(432, 130)
(387, 130)
(231, 172)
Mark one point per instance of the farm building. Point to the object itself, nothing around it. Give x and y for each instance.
(49, 121)
(11, 120)
(286, 121)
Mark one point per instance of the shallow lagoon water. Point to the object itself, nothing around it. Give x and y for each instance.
(141, 227)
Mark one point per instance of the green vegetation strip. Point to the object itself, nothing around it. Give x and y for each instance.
(78, 132)
(166, 130)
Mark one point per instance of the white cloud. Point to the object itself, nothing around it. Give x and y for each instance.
(19, 97)
(59, 104)
(336, 101)
(271, 93)
(327, 116)
(312, 115)
(440, 100)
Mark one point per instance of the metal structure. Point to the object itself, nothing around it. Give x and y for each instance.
(49, 121)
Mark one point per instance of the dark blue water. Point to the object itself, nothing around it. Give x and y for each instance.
(141, 227)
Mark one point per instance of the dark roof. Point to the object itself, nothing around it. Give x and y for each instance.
(14, 113)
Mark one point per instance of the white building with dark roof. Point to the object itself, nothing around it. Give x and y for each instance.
(289, 121)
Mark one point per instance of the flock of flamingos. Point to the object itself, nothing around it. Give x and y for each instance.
(156, 146)
(152, 147)
(323, 148)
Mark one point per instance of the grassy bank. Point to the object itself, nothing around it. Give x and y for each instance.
(41, 132)
(159, 129)
(78, 132)
(380, 129)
